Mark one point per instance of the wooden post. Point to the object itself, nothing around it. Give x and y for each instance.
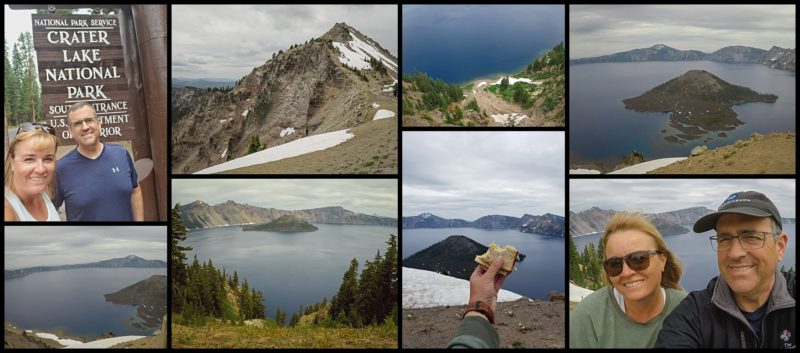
(150, 22)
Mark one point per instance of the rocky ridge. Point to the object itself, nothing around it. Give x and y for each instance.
(312, 88)
(199, 214)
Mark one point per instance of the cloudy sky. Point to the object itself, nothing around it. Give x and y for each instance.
(596, 30)
(228, 41)
(662, 195)
(27, 246)
(470, 174)
(368, 196)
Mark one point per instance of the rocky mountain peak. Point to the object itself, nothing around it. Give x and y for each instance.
(340, 32)
(659, 47)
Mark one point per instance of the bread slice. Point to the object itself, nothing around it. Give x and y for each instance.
(510, 255)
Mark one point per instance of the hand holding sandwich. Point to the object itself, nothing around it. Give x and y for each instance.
(484, 284)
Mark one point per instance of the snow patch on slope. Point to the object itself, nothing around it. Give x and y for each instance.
(383, 114)
(426, 289)
(353, 54)
(292, 149)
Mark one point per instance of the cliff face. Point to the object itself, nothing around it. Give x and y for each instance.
(595, 220)
(315, 87)
(547, 224)
(198, 214)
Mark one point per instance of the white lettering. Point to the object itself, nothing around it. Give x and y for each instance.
(78, 37)
(82, 56)
(82, 73)
(93, 92)
(106, 131)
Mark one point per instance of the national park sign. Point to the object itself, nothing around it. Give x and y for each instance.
(80, 58)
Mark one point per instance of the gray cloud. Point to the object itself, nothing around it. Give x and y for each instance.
(472, 174)
(27, 246)
(228, 41)
(368, 196)
(661, 195)
(606, 29)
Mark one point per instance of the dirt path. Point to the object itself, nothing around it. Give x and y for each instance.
(520, 324)
(770, 154)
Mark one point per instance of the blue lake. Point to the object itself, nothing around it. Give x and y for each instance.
(457, 43)
(601, 129)
(699, 260)
(291, 269)
(72, 302)
(541, 271)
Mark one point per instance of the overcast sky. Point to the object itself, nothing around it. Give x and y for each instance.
(228, 41)
(470, 174)
(596, 30)
(27, 246)
(662, 195)
(368, 196)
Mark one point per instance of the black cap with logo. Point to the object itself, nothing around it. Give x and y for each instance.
(749, 203)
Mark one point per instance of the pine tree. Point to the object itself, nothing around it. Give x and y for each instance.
(346, 296)
(575, 273)
(280, 316)
(177, 252)
(11, 88)
(389, 279)
(504, 83)
(368, 298)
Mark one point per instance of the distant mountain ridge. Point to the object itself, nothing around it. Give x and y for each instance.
(547, 224)
(199, 214)
(595, 219)
(128, 261)
(776, 57)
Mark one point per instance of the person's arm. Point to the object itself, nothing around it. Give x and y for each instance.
(137, 204)
(681, 328)
(475, 330)
(9, 215)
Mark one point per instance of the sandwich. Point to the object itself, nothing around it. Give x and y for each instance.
(510, 255)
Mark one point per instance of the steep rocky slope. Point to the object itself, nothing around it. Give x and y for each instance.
(319, 86)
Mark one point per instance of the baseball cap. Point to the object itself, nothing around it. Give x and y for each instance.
(749, 203)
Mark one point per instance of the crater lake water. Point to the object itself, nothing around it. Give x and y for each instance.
(291, 269)
(699, 260)
(457, 43)
(541, 271)
(601, 129)
(72, 301)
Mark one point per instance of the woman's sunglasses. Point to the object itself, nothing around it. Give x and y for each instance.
(28, 126)
(637, 261)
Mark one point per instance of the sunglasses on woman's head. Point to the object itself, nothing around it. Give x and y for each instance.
(637, 261)
(28, 126)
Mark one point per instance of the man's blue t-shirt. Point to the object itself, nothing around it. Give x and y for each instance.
(96, 189)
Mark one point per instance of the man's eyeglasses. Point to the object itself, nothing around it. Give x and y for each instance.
(28, 126)
(637, 261)
(89, 121)
(749, 240)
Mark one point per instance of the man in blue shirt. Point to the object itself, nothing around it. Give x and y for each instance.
(96, 181)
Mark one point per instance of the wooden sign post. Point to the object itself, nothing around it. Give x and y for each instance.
(80, 58)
